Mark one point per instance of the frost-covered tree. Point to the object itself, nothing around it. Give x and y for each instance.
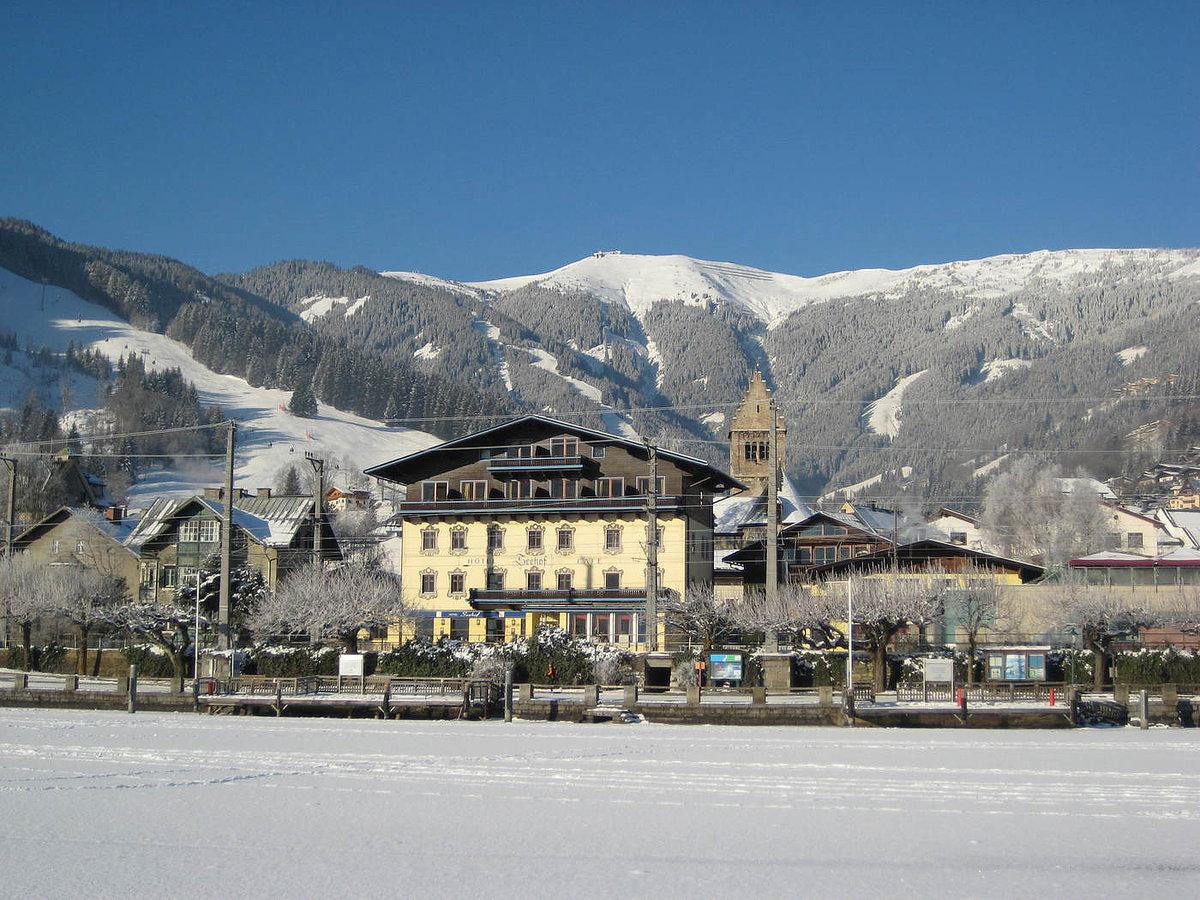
(801, 612)
(85, 597)
(166, 625)
(28, 597)
(885, 605)
(330, 603)
(303, 402)
(287, 482)
(700, 615)
(1029, 515)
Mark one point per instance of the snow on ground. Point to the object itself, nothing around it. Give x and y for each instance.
(268, 436)
(998, 368)
(427, 351)
(1035, 328)
(547, 362)
(851, 489)
(140, 805)
(883, 415)
(959, 320)
(1131, 354)
(639, 281)
(989, 467)
(455, 287)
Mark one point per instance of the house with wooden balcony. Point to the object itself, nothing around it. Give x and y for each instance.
(537, 522)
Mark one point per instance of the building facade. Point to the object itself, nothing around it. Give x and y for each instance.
(540, 522)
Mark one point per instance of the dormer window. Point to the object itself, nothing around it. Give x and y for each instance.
(434, 490)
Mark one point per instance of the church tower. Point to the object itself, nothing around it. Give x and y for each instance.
(750, 437)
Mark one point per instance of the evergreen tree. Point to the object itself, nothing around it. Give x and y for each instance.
(303, 402)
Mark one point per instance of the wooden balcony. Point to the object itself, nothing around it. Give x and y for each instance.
(501, 465)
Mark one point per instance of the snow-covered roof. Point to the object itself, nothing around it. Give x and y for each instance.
(118, 531)
(271, 521)
(1183, 524)
(1070, 485)
(1181, 556)
(739, 510)
(721, 565)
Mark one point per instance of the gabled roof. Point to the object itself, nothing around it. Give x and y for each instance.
(1186, 521)
(741, 510)
(946, 512)
(118, 532)
(270, 521)
(695, 465)
(901, 552)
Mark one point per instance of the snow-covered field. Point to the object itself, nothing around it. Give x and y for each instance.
(151, 805)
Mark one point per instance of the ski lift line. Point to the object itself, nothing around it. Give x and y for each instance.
(126, 434)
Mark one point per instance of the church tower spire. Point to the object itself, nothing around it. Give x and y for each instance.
(750, 436)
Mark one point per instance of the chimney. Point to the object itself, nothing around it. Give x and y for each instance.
(263, 493)
(213, 493)
(115, 513)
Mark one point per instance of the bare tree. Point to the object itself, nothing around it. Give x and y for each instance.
(700, 615)
(28, 596)
(884, 605)
(166, 625)
(86, 598)
(330, 603)
(802, 612)
(976, 603)
(1102, 614)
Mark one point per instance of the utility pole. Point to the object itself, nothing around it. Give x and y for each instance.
(11, 506)
(771, 638)
(318, 465)
(226, 545)
(652, 552)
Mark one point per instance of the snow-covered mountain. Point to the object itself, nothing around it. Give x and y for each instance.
(269, 438)
(639, 281)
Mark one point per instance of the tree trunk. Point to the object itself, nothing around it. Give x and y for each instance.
(350, 641)
(27, 644)
(1099, 667)
(880, 662)
(81, 655)
(970, 660)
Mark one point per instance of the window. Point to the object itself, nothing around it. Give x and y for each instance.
(458, 539)
(473, 490)
(428, 539)
(565, 580)
(579, 624)
(598, 451)
(434, 490)
(757, 451)
(147, 575)
(822, 555)
(56, 546)
(612, 538)
(1133, 540)
(658, 538)
(804, 555)
(189, 532)
(495, 540)
(170, 577)
(210, 531)
(564, 447)
(843, 551)
(958, 537)
(200, 531)
(566, 540)
(495, 630)
(643, 484)
(610, 487)
(612, 581)
(601, 623)
(457, 582)
(460, 629)
(495, 581)
(520, 489)
(624, 622)
(533, 540)
(533, 580)
(564, 488)
(428, 583)
(81, 546)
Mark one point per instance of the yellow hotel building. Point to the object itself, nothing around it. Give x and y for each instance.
(540, 522)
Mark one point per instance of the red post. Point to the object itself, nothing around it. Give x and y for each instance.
(1052, 696)
(959, 696)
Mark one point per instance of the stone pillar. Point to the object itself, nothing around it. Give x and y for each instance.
(591, 696)
(825, 695)
(70, 683)
(20, 681)
(1170, 699)
(777, 672)
(524, 692)
(1121, 694)
(122, 684)
(631, 695)
(693, 695)
(758, 696)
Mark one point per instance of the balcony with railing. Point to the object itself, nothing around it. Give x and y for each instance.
(573, 462)
(482, 598)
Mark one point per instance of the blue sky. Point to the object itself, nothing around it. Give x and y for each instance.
(481, 140)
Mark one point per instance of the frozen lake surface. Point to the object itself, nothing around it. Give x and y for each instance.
(108, 804)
